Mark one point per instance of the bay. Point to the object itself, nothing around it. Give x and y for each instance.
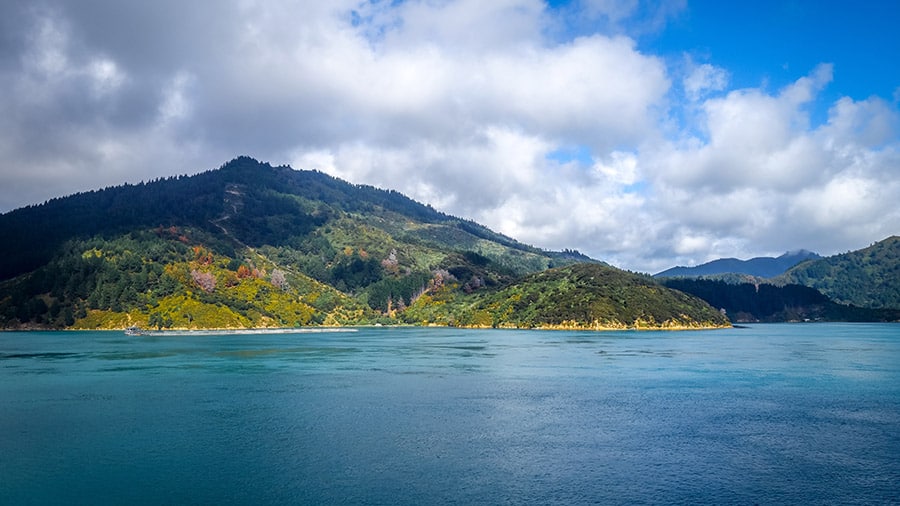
(767, 414)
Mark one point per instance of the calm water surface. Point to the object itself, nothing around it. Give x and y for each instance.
(770, 414)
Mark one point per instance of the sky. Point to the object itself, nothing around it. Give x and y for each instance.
(645, 133)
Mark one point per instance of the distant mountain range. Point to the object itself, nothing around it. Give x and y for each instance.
(762, 267)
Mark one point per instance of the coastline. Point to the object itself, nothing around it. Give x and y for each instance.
(134, 331)
(596, 327)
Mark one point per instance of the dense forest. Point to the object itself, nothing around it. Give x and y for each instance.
(765, 302)
(869, 277)
(866, 278)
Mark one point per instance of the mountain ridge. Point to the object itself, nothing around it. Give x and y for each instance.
(763, 267)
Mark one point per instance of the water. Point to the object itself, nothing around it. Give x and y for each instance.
(770, 414)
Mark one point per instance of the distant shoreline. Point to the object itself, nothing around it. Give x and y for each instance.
(194, 331)
(218, 332)
(355, 328)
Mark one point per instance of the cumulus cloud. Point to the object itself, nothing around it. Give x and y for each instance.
(764, 175)
(511, 113)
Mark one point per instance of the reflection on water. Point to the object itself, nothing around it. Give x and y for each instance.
(765, 414)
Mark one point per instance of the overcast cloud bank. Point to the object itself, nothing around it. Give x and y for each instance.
(509, 113)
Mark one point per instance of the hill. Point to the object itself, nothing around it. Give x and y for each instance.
(595, 297)
(762, 267)
(250, 245)
(869, 277)
(766, 302)
(248, 203)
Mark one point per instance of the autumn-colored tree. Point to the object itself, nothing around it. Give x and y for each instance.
(244, 272)
(202, 255)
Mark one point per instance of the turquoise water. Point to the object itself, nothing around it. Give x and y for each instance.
(769, 414)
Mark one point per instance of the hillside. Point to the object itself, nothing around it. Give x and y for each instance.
(765, 302)
(869, 277)
(248, 203)
(251, 245)
(762, 267)
(595, 296)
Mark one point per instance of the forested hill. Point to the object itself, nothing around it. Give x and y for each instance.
(862, 285)
(246, 202)
(766, 302)
(251, 245)
(869, 277)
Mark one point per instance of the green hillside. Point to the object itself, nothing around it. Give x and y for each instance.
(251, 245)
(595, 296)
(869, 277)
(246, 203)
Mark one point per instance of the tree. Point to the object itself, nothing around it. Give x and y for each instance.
(391, 264)
(244, 272)
(205, 280)
(278, 279)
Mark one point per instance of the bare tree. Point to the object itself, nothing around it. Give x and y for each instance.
(390, 263)
(205, 280)
(278, 279)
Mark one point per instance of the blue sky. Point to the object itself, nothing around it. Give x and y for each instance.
(645, 133)
(774, 41)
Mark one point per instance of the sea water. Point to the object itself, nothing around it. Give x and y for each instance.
(767, 414)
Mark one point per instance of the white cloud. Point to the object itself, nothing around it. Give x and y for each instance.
(462, 104)
(465, 25)
(753, 139)
(871, 123)
(621, 168)
(845, 200)
(765, 179)
(704, 79)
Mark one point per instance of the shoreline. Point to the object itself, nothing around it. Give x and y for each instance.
(355, 328)
(131, 331)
